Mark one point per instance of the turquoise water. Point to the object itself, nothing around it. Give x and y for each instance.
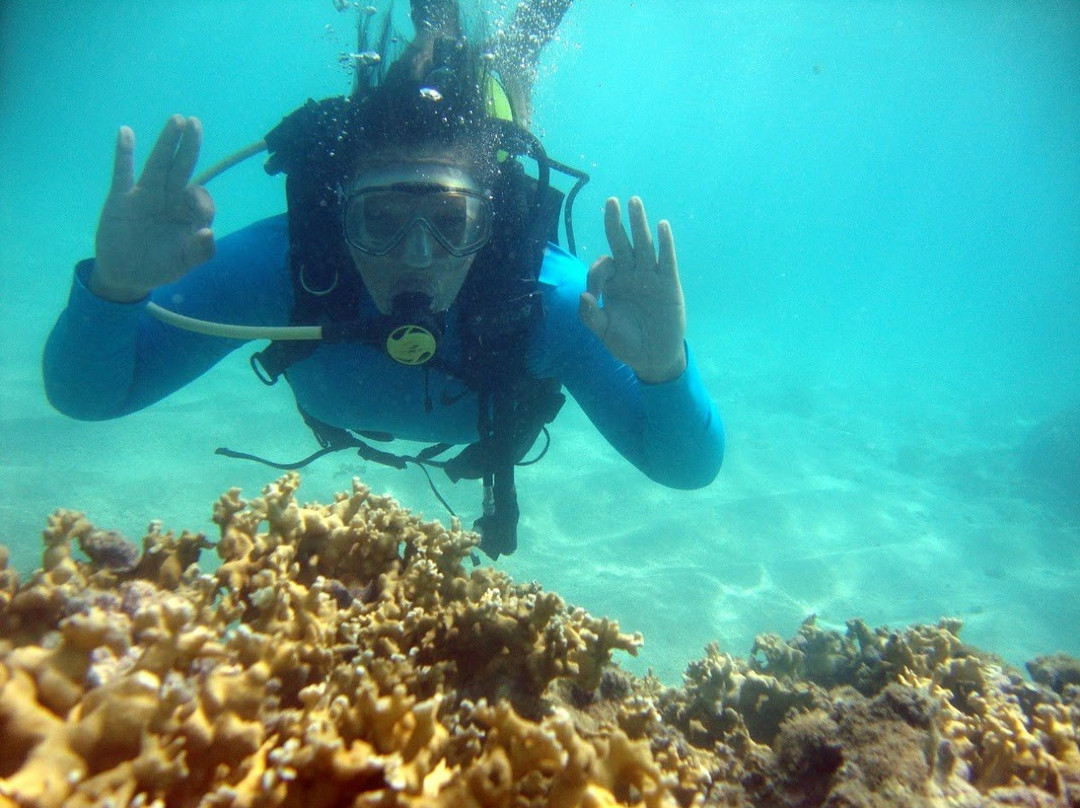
(875, 211)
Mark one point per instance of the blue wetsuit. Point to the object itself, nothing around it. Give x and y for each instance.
(103, 360)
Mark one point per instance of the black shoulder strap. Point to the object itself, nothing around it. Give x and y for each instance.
(501, 305)
(312, 146)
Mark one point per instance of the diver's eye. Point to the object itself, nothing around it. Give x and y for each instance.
(380, 224)
(376, 216)
(449, 213)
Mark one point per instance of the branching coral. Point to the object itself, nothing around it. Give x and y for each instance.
(879, 716)
(343, 655)
(322, 658)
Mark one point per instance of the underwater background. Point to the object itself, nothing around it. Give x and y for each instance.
(875, 209)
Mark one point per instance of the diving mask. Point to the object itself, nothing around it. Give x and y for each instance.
(376, 219)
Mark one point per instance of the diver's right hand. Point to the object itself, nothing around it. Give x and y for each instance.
(153, 231)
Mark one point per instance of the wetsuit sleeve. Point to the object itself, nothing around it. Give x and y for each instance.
(104, 360)
(670, 431)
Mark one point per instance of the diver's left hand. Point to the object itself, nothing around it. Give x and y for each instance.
(634, 301)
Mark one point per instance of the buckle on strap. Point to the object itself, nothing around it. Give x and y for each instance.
(262, 372)
(272, 361)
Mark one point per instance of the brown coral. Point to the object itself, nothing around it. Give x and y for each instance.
(874, 716)
(342, 655)
(321, 659)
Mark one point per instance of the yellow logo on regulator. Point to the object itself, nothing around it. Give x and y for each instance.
(410, 345)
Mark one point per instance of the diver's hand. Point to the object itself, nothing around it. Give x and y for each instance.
(151, 232)
(634, 300)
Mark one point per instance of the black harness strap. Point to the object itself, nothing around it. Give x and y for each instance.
(334, 439)
(498, 525)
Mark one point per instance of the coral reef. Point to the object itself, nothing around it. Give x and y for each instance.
(343, 655)
(880, 717)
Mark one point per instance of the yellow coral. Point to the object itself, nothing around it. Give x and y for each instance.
(343, 654)
(323, 658)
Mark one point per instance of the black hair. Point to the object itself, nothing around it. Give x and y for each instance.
(433, 94)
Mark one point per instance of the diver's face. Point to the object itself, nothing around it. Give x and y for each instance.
(415, 226)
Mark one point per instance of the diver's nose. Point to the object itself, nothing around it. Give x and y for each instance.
(417, 248)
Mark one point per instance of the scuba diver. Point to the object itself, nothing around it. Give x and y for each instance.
(413, 289)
